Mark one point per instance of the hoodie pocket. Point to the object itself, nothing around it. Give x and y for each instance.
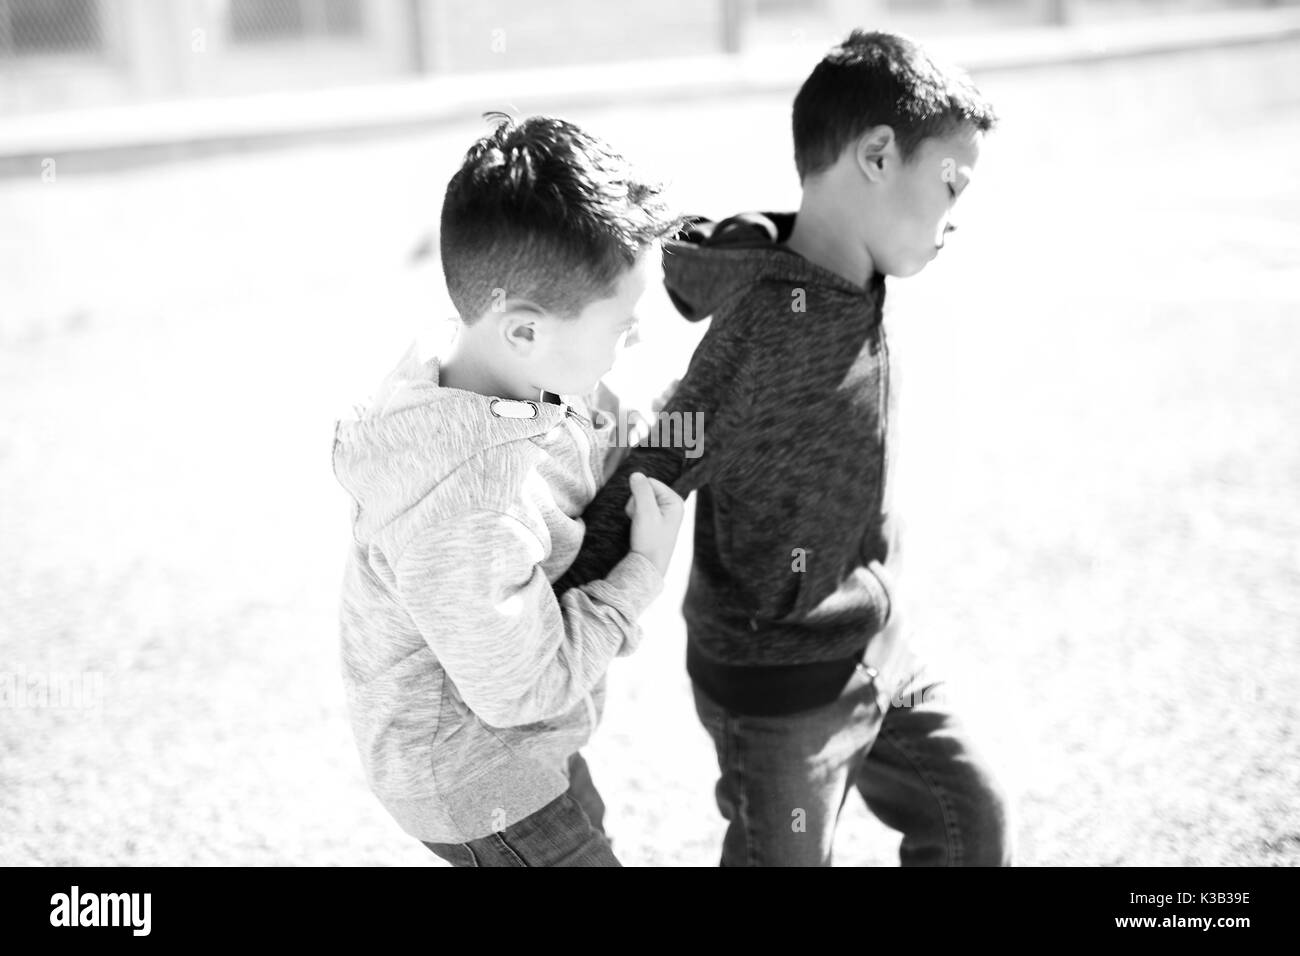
(761, 592)
(464, 747)
(724, 514)
(793, 612)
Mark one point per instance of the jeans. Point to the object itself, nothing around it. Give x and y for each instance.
(568, 831)
(784, 780)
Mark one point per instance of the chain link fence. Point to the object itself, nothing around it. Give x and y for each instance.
(252, 21)
(146, 49)
(50, 27)
(43, 28)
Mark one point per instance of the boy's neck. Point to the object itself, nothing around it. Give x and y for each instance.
(819, 237)
(466, 368)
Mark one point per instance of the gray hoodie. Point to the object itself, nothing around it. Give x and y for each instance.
(469, 681)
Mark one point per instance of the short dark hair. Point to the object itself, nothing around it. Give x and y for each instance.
(875, 79)
(542, 211)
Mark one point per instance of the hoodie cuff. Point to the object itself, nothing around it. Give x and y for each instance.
(637, 580)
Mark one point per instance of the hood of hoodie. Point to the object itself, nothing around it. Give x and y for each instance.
(414, 426)
(709, 263)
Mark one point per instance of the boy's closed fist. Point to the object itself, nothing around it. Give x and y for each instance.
(656, 513)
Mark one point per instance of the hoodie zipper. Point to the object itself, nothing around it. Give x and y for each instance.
(584, 425)
(587, 440)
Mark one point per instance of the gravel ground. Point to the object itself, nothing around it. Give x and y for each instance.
(1102, 481)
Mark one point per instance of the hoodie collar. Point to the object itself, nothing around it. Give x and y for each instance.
(414, 426)
(415, 382)
(710, 263)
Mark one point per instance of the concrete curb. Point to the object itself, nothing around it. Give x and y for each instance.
(141, 134)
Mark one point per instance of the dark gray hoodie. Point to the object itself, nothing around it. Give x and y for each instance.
(793, 542)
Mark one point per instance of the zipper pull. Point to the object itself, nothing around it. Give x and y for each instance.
(569, 409)
(873, 678)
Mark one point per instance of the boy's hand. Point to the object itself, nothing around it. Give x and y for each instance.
(656, 513)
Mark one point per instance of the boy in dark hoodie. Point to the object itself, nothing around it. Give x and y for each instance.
(795, 636)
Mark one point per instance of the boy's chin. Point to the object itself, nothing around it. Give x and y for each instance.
(907, 269)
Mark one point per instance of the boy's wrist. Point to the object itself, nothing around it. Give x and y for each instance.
(640, 573)
(660, 566)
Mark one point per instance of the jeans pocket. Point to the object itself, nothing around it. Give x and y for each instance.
(559, 834)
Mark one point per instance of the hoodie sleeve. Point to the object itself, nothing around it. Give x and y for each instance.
(476, 590)
(709, 415)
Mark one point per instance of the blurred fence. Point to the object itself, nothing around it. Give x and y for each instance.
(75, 53)
(50, 28)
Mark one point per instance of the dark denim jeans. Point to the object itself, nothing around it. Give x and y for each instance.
(784, 780)
(568, 831)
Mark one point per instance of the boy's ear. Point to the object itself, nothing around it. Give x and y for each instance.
(519, 324)
(876, 150)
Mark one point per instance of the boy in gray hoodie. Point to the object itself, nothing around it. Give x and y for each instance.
(471, 685)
